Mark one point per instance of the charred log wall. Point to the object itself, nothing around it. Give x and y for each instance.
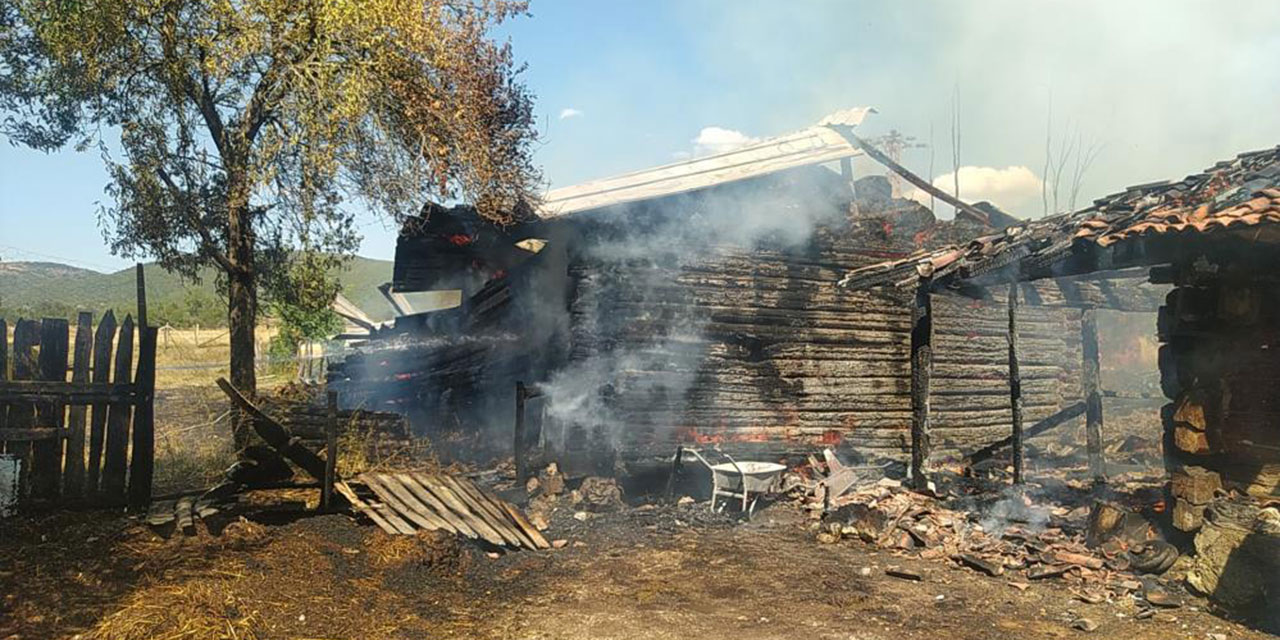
(757, 349)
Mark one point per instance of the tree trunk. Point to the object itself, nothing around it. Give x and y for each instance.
(242, 311)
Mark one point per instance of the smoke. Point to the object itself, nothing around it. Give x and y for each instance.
(1168, 88)
(656, 336)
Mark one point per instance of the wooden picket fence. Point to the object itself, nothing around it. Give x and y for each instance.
(88, 440)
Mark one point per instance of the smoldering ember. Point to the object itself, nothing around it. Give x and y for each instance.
(763, 391)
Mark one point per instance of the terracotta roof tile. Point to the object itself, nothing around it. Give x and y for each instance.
(1232, 194)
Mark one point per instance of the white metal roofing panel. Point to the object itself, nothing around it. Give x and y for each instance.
(814, 145)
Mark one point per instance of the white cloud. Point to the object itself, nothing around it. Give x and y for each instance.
(713, 140)
(569, 112)
(1013, 189)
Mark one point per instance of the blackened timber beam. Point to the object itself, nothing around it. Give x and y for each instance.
(1065, 415)
(1090, 387)
(1015, 385)
(963, 209)
(921, 372)
(518, 446)
(274, 434)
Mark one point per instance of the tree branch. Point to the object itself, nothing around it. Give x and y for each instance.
(211, 245)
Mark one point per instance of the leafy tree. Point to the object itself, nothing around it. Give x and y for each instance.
(246, 126)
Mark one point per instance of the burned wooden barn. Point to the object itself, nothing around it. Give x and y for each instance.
(1215, 237)
(696, 304)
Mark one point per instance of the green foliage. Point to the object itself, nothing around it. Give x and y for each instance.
(247, 127)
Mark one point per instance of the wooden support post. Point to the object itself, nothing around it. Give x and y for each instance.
(330, 453)
(518, 445)
(1090, 386)
(921, 372)
(1015, 385)
(142, 297)
(143, 452)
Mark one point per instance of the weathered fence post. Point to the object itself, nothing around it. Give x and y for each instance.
(26, 335)
(115, 461)
(1015, 384)
(73, 466)
(1090, 387)
(142, 456)
(46, 452)
(102, 349)
(921, 372)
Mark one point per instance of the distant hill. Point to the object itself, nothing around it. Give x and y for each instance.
(36, 289)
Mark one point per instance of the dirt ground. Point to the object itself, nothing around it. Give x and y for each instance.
(656, 572)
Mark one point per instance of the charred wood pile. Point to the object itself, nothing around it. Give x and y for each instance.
(1218, 369)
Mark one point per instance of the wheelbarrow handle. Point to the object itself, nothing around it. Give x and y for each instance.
(697, 455)
(735, 466)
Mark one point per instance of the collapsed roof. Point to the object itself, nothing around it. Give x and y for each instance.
(1234, 199)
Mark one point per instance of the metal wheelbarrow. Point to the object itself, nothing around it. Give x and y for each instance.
(745, 481)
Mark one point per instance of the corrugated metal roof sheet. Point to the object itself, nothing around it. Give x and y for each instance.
(814, 145)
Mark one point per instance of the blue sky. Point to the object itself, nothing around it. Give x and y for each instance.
(1162, 88)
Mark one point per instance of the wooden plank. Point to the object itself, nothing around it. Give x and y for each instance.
(406, 496)
(427, 498)
(1090, 385)
(474, 521)
(38, 391)
(103, 339)
(921, 371)
(391, 499)
(363, 507)
(142, 456)
(26, 335)
(31, 434)
(496, 514)
(184, 513)
(518, 517)
(46, 455)
(1015, 385)
(394, 518)
(116, 450)
(73, 473)
(492, 517)
(161, 512)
